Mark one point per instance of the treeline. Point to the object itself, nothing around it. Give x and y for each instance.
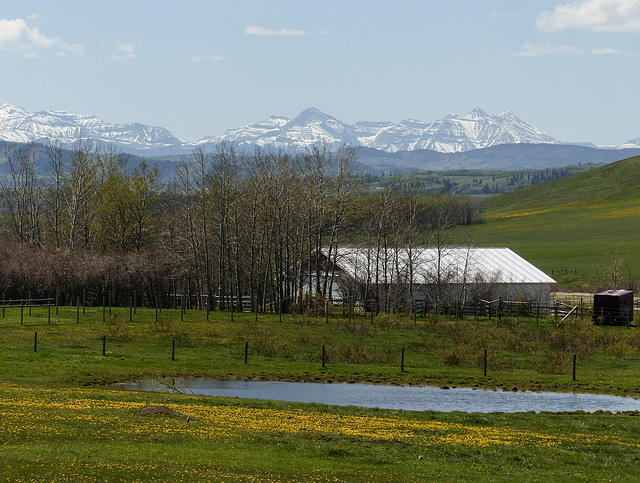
(474, 181)
(231, 225)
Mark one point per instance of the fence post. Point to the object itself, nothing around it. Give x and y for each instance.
(104, 345)
(35, 341)
(173, 350)
(29, 303)
(49, 313)
(104, 308)
(475, 311)
(21, 314)
(485, 362)
(323, 356)
(402, 361)
(246, 352)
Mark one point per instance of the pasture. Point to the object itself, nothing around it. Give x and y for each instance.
(587, 222)
(60, 423)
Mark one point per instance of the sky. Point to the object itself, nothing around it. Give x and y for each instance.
(201, 67)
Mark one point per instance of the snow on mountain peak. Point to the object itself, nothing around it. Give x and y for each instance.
(477, 113)
(452, 133)
(18, 125)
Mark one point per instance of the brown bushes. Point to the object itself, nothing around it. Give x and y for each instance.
(43, 273)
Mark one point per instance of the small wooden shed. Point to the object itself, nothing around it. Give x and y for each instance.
(613, 307)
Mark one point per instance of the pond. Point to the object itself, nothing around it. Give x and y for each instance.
(413, 398)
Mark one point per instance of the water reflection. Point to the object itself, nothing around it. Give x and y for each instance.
(395, 397)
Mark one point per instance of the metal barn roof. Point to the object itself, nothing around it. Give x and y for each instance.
(457, 264)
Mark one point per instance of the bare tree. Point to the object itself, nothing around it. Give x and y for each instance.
(23, 194)
(80, 190)
(614, 264)
(53, 193)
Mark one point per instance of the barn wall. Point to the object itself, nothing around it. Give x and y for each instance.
(539, 294)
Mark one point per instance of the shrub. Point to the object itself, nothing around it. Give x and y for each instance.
(357, 327)
(392, 321)
(555, 363)
(162, 326)
(119, 332)
(578, 337)
(267, 343)
(461, 355)
(621, 350)
(358, 354)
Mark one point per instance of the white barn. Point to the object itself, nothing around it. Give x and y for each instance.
(427, 273)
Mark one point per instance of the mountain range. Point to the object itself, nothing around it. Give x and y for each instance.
(409, 144)
(449, 135)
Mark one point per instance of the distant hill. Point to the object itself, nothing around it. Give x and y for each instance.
(598, 190)
(166, 165)
(501, 157)
(582, 222)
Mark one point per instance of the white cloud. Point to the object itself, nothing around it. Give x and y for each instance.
(66, 48)
(604, 51)
(253, 30)
(16, 36)
(204, 58)
(533, 50)
(125, 52)
(595, 15)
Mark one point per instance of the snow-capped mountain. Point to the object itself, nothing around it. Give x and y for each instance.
(449, 135)
(474, 140)
(452, 134)
(310, 127)
(18, 125)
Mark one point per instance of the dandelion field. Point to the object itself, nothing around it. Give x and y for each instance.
(101, 435)
(60, 423)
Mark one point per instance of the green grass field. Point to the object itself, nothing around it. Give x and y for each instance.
(577, 222)
(523, 353)
(60, 423)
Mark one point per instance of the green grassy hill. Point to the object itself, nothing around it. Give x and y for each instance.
(584, 222)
